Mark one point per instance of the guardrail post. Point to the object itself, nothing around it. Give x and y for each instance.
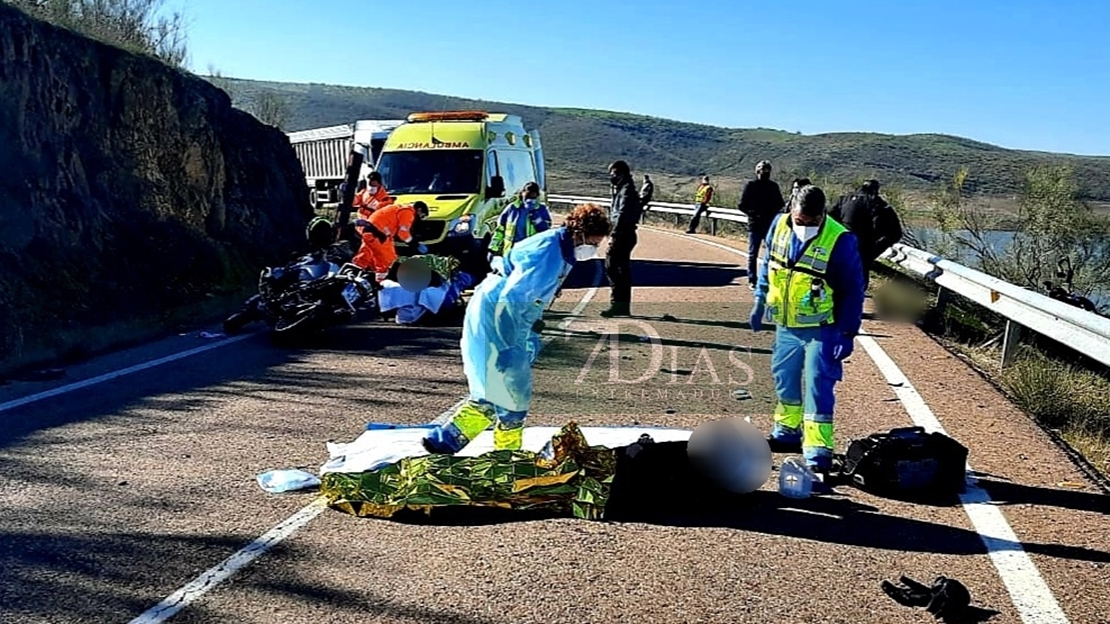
(944, 296)
(1010, 342)
(712, 224)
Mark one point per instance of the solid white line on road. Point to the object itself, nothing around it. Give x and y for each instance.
(1028, 591)
(181, 598)
(92, 381)
(1030, 594)
(201, 585)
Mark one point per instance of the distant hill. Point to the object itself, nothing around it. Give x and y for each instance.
(580, 143)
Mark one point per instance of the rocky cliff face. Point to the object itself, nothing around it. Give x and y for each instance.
(126, 187)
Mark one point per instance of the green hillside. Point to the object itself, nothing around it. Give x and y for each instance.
(579, 143)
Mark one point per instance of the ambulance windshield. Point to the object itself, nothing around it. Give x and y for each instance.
(432, 172)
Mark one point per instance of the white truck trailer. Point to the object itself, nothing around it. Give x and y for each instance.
(323, 153)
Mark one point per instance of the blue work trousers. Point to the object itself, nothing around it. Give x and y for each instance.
(806, 374)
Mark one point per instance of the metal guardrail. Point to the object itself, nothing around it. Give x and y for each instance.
(1078, 329)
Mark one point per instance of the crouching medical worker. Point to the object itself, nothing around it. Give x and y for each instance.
(499, 342)
(810, 285)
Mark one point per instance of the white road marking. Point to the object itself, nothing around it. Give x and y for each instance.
(92, 381)
(202, 584)
(181, 598)
(1028, 591)
(1030, 594)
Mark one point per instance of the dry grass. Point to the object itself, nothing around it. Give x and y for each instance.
(1060, 396)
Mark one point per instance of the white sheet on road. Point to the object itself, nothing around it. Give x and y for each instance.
(380, 447)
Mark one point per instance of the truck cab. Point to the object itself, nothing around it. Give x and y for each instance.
(466, 166)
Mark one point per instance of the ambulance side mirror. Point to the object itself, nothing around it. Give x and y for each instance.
(496, 187)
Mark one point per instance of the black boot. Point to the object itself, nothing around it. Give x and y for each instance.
(617, 309)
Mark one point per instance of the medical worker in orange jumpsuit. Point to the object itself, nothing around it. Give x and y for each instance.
(384, 225)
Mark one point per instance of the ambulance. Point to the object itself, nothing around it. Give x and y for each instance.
(466, 166)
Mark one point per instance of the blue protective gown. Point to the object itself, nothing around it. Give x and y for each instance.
(806, 353)
(498, 343)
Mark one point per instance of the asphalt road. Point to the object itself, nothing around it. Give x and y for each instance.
(118, 493)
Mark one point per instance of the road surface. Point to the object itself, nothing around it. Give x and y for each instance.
(118, 490)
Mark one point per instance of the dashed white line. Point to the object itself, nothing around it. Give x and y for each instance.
(175, 602)
(181, 598)
(1028, 591)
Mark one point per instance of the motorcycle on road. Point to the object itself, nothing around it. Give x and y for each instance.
(316, 291)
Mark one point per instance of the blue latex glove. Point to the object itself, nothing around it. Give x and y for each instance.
(843, 347)
(756, 318)
(361, 222)
(422, 248)
(513, 357)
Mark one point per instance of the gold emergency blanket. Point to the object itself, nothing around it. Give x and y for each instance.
(575, 480)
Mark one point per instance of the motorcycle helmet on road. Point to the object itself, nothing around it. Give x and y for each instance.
(319, 233)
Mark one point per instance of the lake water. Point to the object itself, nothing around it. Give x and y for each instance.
(932, 239)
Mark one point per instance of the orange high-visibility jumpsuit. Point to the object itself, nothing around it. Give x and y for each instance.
(366, 202)
(377, 251)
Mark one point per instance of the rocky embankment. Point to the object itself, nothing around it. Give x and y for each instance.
(127, 189)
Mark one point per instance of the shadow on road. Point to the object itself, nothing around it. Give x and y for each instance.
(827, 519)
(256, 367)
(55, 577)
(1008, 493)
(663, 274)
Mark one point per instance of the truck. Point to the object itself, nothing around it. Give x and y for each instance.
(466, 166)
(323, 153)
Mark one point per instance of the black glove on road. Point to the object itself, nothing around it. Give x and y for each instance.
(946, 598)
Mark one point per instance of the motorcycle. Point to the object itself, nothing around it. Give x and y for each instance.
(318, 290)
(1068, 295)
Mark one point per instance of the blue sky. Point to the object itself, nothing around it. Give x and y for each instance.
(1016, 73)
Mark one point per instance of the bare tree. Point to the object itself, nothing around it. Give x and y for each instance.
(1051, 223)
(135, 25)
(270, 108)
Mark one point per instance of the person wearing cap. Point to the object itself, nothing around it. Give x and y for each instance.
(760, 200)
(811, 287)
(874, 222)
(702, 197)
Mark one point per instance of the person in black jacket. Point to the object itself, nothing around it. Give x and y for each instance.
(872, 220)
(624, 212)
(760, 200)
(647, 191)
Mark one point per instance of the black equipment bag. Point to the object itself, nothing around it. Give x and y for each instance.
(907, 461)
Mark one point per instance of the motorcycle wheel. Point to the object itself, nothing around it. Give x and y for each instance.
(299, 320)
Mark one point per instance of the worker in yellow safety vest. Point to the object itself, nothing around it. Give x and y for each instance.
(810, 285)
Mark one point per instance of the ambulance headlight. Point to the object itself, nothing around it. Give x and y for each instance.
(460, 226)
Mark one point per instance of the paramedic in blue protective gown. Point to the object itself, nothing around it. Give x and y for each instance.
(500, 339)
(810, 285)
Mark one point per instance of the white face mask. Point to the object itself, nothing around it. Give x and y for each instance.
(585, 252)
(805, 232)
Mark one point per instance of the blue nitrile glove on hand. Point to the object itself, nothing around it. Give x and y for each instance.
(756, 318)
(513, 357)
(844, 346)
(362, 222)
(422, 248)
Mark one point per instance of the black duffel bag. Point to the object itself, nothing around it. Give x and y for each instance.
(906, 463)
